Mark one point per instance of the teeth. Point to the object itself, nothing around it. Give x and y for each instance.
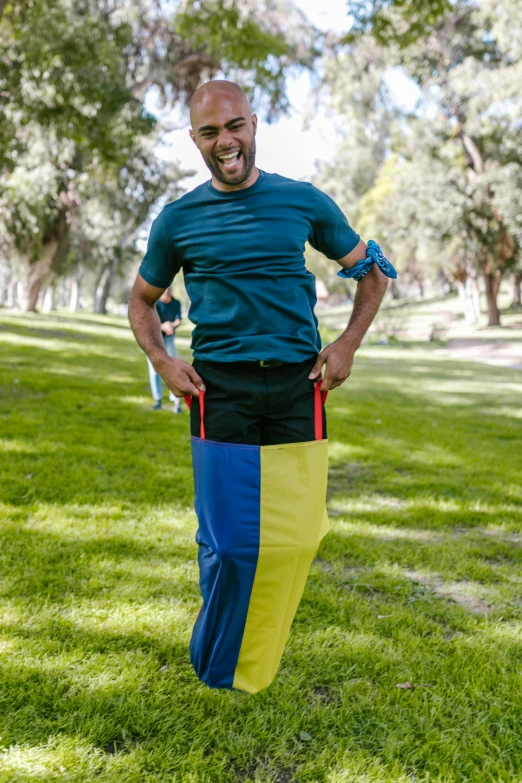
(228, 157)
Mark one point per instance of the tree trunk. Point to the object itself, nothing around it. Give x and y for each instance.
(4, 291)
(492, 280)
(395, 291)
(469, 295)
(443, 290)
(62, 295)
(18, 293)
(103, 289)
(74, 296)
(37, 271)
(49, 301)
(517, 281)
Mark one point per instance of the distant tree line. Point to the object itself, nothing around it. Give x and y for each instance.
(441, 186)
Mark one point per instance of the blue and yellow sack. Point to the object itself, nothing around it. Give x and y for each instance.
(262, 515)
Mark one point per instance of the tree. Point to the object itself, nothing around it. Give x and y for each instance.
(74, 76)
(360, 109)
(466, 68)
(395, 22)
(104, 235)
(440, 188)
(68, 100)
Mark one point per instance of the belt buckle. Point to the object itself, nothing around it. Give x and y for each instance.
(269, 363)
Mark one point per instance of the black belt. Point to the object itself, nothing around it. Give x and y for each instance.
(253, 365)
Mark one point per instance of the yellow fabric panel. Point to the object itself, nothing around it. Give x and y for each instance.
(293, 522)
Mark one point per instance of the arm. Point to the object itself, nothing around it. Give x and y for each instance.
(338, 356)
(180, 377)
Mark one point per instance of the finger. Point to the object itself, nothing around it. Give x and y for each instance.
(326, 384)
(184, 386)
(334, 383)
(328, 379)
(316, 369)
(192, 390)
(338, 381)
(196, 379)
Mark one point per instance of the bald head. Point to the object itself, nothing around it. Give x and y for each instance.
(214, 91)
(223, 130)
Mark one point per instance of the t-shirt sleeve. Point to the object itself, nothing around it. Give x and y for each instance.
(159, 265)
(331, 233)
(177, 309)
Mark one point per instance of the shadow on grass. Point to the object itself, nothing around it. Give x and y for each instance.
(82, 439)
(99, 584)
(37, 563)
(125, 692)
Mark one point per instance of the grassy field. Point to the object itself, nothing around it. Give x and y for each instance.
(418, 585)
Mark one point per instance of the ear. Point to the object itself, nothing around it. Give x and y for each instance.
(254, 123)
(192, 136)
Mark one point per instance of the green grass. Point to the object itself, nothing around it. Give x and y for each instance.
(432, 318)
(419, 581)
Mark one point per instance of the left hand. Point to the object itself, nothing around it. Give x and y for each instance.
(166, 328)
(338, 357)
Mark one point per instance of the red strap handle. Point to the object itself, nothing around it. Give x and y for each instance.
(188, 400)
(319, 401)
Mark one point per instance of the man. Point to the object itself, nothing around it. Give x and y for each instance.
(257, 369)
(169, 312)
(240, 240)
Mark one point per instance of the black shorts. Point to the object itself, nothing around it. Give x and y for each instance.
(261, 406)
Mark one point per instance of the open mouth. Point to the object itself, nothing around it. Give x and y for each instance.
(230, 160)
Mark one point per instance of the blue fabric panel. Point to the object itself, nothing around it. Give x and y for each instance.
(227, 501)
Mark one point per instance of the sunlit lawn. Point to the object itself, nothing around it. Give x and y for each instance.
(419, 582)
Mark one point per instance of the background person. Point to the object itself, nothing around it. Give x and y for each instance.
(169, 312)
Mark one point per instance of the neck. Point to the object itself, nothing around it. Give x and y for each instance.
(252, 177)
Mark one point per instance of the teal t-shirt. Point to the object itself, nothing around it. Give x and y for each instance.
(242, 254)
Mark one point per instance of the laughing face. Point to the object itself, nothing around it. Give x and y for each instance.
(224, 129)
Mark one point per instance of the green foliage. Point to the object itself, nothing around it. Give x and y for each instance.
(63, 66)
(440, 187)
(78, 169)
(390, 22)
(237, 38)
(418, 581)
(29, 200)
(365, 120)
(65, 92)
(468, 74)
(114, 207)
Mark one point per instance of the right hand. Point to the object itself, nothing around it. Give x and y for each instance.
(181, 377)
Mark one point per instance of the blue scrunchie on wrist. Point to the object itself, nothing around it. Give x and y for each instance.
(374, 255)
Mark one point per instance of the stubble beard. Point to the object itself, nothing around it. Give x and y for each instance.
(248, 156)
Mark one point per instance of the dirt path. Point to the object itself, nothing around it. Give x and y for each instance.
(501, 353)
